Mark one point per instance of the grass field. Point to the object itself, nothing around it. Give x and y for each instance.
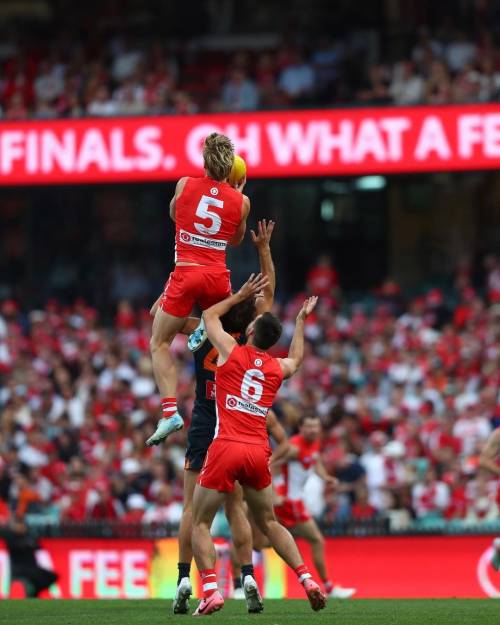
(156, 612)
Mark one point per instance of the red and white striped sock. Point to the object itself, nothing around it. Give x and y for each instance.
(209, 582)
(302, 573)
(168, 407)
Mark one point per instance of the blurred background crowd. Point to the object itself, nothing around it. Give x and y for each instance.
(59, 63)
(405, 377)
(407, 390)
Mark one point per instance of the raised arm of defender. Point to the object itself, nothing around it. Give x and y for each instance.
(290, 365)
(261, 240)
(277, 432)
(221, 340)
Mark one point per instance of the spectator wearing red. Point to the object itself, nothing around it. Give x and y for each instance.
(322, 279)
(431, 496)
(105, 506)
(362, 509)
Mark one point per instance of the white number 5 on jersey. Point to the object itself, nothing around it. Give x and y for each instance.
(204, 213)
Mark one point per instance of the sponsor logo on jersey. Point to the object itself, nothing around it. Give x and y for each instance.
(214, 191)
(258, 362)
(199, 241)
(237, 403)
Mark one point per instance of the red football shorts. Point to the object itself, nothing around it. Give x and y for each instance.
(190, 285)
(291, 512)
(228, 461)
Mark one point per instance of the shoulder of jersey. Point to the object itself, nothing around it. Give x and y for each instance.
(296, 440)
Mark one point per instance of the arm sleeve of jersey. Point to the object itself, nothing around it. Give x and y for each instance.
(295, 441)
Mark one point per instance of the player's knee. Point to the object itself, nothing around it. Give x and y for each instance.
(154, 344)
(199, 523)
(317, 539)
(159, 341)
(187, 510)
(265, 524)
(260, 543)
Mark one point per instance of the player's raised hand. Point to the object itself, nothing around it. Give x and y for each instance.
(241, 185)
(253, 285)
(264, 232)
(307, 307)
(331, 481)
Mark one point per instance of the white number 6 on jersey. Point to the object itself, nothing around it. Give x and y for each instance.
(251, 389)
(204, 212)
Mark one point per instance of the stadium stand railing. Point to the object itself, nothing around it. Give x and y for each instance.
(351, 527)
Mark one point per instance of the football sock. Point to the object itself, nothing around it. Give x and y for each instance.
(247, 569)
(184, 570)
(302, 573)
(237, 582)
(328, 585)
(168, 407)
(209, 582)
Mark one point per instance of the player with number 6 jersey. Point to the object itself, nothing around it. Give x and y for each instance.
(203, 421)
(209, 215)
(246, 383)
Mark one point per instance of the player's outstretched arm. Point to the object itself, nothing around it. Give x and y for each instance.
(221, 340)
(320, 470)
(179, 187)
(240, 232)
(278, 434)
(261, 239)
(291, 453)
(491, 450)
(290, 365)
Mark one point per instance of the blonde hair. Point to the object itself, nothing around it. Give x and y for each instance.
(218, 156)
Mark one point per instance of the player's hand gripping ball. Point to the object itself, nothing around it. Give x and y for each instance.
(238, 171)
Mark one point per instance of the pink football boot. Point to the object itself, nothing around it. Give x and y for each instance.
(211, 604)
(316, 598)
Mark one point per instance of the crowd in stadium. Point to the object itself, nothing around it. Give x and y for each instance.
(129, 76)
(407, 393)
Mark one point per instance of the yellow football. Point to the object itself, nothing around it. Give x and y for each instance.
(238, 171)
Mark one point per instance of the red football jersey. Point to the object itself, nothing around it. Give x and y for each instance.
(207, 215)
(295, 473)
(246, 386)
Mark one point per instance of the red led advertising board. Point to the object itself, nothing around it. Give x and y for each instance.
(275, 144)
(426, 567)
